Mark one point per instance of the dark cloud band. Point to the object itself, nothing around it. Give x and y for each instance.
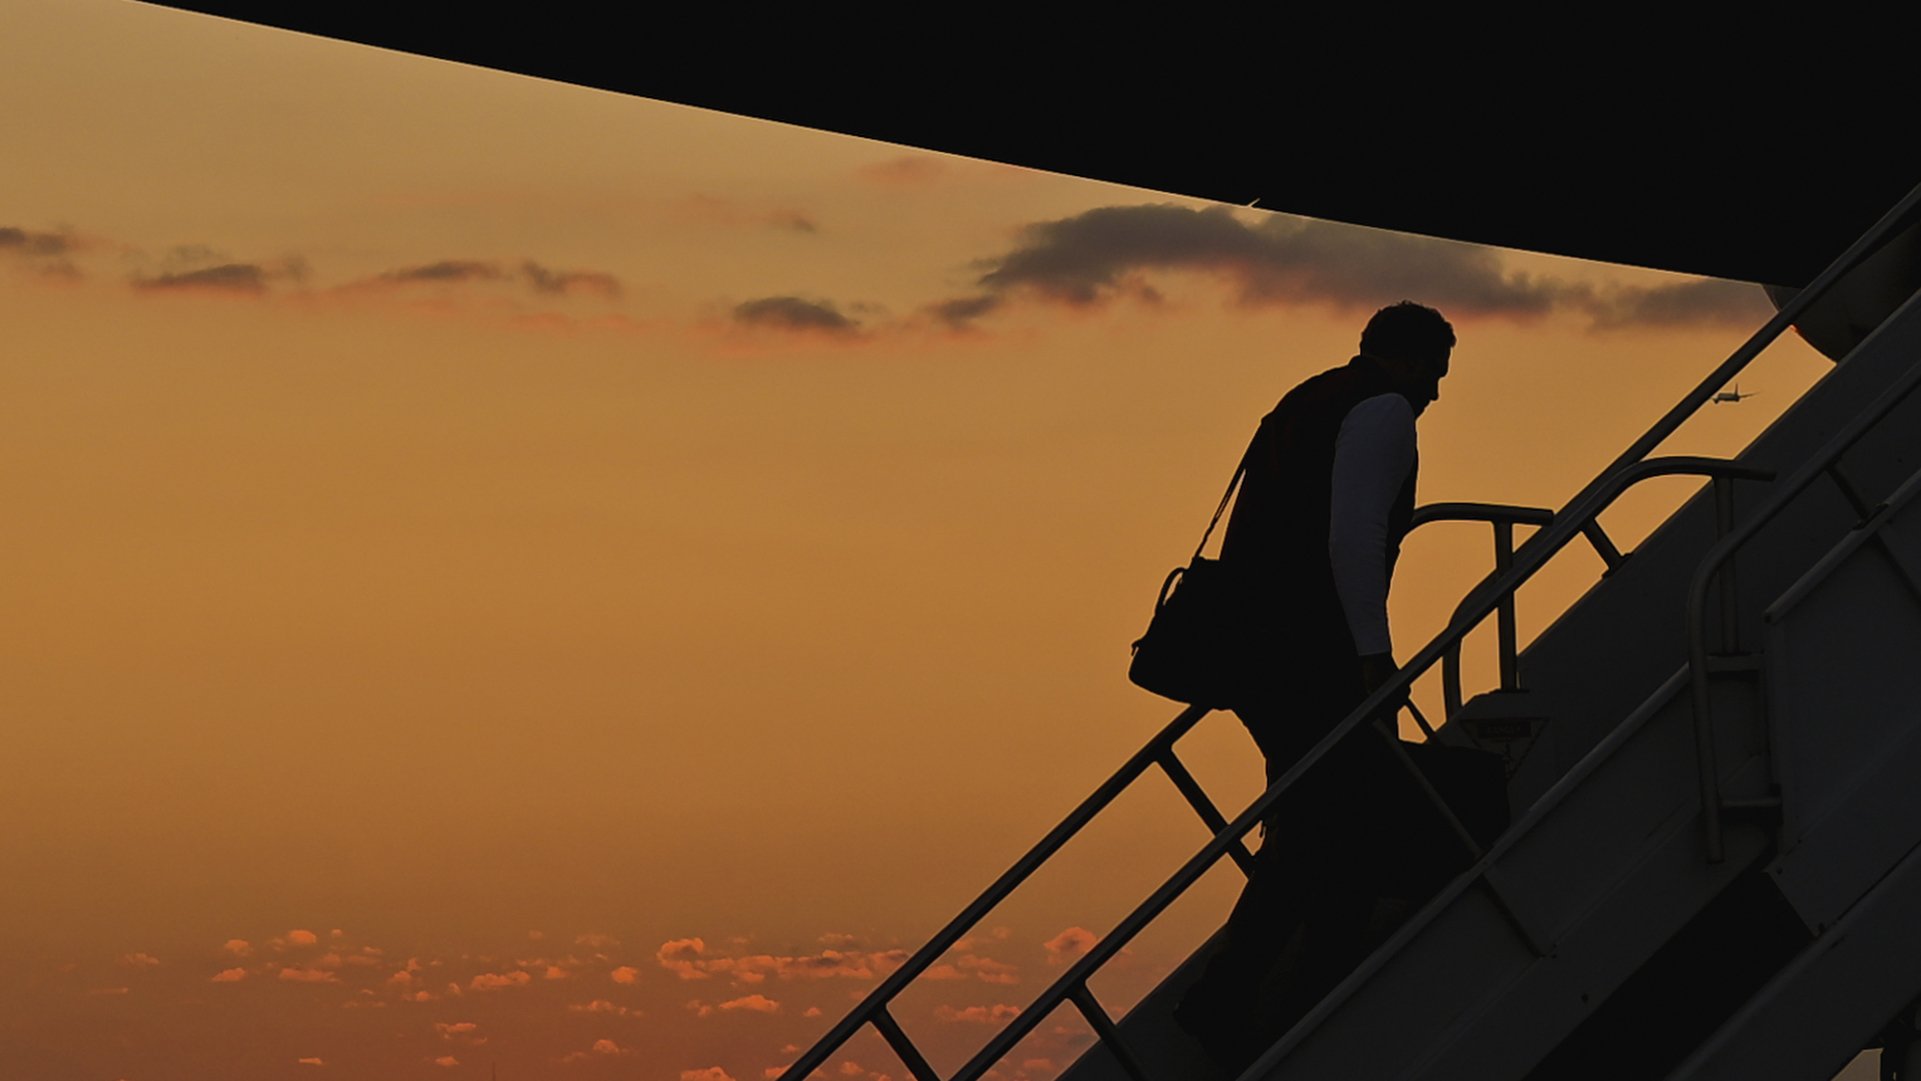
(794, 313)
(1094, 256)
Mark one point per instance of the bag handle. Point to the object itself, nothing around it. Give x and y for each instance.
(1239, 472)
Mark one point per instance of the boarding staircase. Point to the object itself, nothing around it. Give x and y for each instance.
(1714, 864)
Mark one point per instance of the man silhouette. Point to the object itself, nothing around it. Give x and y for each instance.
(1317, 526)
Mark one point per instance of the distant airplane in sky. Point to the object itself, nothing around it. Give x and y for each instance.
(1734, 395)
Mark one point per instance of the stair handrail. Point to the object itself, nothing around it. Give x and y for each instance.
(872, 1009)
(1482, 600)
(1824, 462)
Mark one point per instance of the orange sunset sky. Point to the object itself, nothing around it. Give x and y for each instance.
(508, 576)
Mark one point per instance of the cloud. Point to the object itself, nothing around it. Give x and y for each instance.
(446, 1060)
(596, 940)
(975, 966)
(1682, 304)
(247, 278)
(555, 972)
(792, 313)
(14, 239)
(459, 1030)
(602, 1047)
(229, 975)
(310, 1061)
(1069, 944)
(754, 1003)
(690, 959)
(537, 277)
(300, 937)
(239, 947)
(715, 210)
(627, 974)
(601, 1005)
(684, 957)
(445, 270)
(138, 960)
(569, 282)
(998, 1013)
(307, 975)
(793, 221)
(1094, 257)
(495, 981)
(711, 1073)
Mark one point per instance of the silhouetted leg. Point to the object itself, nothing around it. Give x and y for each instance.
(1289, 867)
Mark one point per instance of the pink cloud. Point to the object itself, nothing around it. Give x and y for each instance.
(608, 1047)
(711, 1073)
(555, 972)
(1069, 944)
(601, 1005)
(683, 957)
(596, 940)
(310, 1061)
(298, 937)
(984, 969)
(850, 1068)
(755, 1003)
(998, 1013)
(230, 975)
(811, 1011)
(690, 959)
(403, 978)
(239, 947)
(625, 974)
(458, 1030)
(446, 1060)
(307, 975)
(138, 960)
(418, 996)
(495, 981)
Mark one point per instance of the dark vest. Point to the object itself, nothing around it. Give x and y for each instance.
(1276, 540)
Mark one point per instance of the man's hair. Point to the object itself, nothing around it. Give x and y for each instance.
(1407, 331)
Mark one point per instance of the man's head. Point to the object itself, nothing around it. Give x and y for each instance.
(1413, 342)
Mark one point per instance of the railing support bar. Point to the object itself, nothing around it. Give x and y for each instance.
(1611, 557)
(910, 1055)
(1503, 561)
(1723, 525)
(1177, 772)
(1109, 1033)
(1451, 681)
(1473, 847)
(1848, 491)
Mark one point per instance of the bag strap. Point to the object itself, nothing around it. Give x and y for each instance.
(1239, 472)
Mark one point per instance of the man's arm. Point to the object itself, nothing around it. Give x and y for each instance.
(1372, 455)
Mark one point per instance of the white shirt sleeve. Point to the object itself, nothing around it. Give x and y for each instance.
(1372, 456)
